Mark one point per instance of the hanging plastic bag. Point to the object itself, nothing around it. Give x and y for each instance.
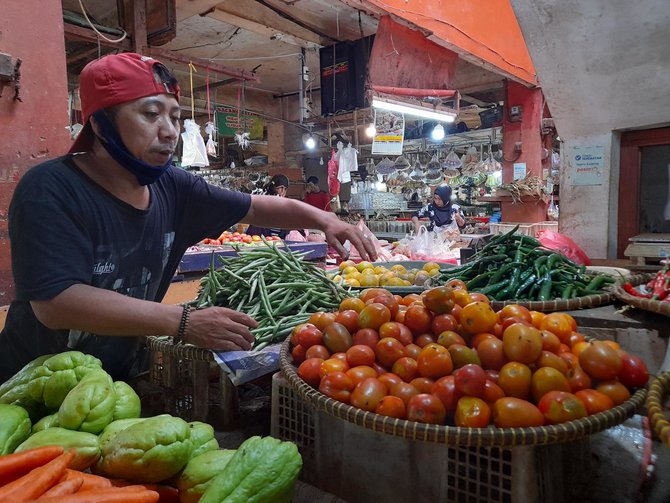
(211, 145)
(552, 210)
(563, 244)
(333, 181)
(383, 255)
(194, 151)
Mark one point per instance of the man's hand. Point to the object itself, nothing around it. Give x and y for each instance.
(337, 232)
(221, 329)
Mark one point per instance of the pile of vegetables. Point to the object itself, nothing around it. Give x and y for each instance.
(658, 288)
(446, 357)
(84, 441)
(515, 267)
(275, 286)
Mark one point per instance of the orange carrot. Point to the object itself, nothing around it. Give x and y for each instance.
(67, 486)
(129, 494)
(38, 480)
(168, 494)
(90, 481)
(13, 466)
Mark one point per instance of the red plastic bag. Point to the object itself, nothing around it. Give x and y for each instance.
(563, 244)
(333, 169)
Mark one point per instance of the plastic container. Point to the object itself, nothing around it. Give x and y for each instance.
(527, 229)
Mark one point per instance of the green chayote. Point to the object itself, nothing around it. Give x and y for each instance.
(14, 427)
(199, 472)
(202, 438)
(90, 405)
(151, 450)
(127, 402)
(46, 422)
(262, 470)
(86, 444)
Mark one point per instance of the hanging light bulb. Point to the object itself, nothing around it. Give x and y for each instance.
(437, 133)
(371, 130)
(310, 142)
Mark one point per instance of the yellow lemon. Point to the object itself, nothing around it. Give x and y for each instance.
(428, 266)
(347, 263)
(349, 270)
(369, 280)
(398, 268)
(364, 265)
(352, 282)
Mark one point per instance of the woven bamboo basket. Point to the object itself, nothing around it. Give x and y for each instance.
(549, 306)
(454, 435)
(659, 392)
(654, 306)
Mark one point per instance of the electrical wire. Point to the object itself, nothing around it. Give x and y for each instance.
(112, 41)
(255, 58)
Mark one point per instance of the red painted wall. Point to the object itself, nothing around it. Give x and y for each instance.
(34, 130)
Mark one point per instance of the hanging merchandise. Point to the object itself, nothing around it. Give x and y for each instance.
(347, 162)
(451, 164)
(552, 210)
(417, 173)
(194, 150)
(210, 129)
(402, 163)
(333, 181)
(434, 174)
(385, 167)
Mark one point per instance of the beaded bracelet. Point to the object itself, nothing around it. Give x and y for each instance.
(183, 325)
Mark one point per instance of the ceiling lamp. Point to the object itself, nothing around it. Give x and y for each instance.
(310, 143)
(437, 133)
(371, 130)
(425, 103)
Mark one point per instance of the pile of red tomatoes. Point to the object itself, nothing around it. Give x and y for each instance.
(446, 357)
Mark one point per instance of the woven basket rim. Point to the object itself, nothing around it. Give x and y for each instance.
(490, 436)
(547, 306)
(654, 306)
(188, 351)
(658, 389)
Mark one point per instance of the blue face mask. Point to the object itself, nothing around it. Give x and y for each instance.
(146, 174)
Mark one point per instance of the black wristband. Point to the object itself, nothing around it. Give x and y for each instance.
(183, 325)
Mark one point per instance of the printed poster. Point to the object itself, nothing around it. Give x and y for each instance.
(519, 170)
(228, 123)
(587, 165)
(388, 139)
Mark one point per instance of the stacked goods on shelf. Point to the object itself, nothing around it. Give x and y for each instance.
(238, 239)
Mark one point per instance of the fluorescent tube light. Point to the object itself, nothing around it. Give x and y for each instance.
(418, 111)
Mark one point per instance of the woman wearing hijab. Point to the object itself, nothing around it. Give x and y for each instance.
(277, 186)
(442, 213)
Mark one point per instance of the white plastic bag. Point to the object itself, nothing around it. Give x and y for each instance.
(194, 151)
(211, 144)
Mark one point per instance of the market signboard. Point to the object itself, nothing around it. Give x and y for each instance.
(390, 133)
(228, 123)
(588, 165)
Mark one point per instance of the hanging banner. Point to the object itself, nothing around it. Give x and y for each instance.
(588, 165)
(390, 133)
(228, 124)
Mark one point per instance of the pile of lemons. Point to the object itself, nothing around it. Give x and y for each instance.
(365, 274)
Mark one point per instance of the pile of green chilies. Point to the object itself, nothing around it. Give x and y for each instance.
(274, 286)
(516, 267)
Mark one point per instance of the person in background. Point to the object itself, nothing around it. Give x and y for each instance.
(277, 186)
(96, 235)
(442, 213)
(315, 196)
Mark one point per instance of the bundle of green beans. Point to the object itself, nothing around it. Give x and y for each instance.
(275, 286)
(516, 267)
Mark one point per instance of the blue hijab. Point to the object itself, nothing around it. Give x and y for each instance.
(443, 215)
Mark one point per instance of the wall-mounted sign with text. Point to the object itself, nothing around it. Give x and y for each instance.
(228, 123)
(390, 133)
(587, 165)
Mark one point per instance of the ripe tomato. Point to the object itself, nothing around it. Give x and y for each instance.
(349, 319)
(594, 401)
(299, 354)
(515, 311)
(612, 344)
(492, 392)
(549, 359)
(388, 350)
(390, 379)
(337, 338)
(448, 337)
(493, 375)
(408, 299)
(522, 343)
(579, 346)
(561, 406)
(397, 331)
(389, 302)
(515, 379)
(491, 354)
(479, 297)
(374, 316)
(392, 406)
(404, 391)
(574, 338)
(550, 342)
(559, 324)
(360, 355)
(353, 303)
(477, 317)
(358, 374)
(418, 319)
(571, 359)
(371, 293)
(512, 321)
(462, 355)
(470, 380)
(457, 284)
(477, 339)
(578, 379)
(434, 361)
(536, 318)
(379, 369)
(615, 390)
(423, 384)
(310, 371)
(337, 386)
(321, 320)
(413, 350)
(633, 373)
(439, 300)
(317, 351)
(340, 356)
(472, 412)
(445, 389)
(406, 368)
(600, 360)
(442, 323)
(546, 379)
(426, 408)
(332, 365)
(368, 393)
(307, 335)
(510, 412)
(456, 313)
(424, 339)
(462, 297)
(367, 337)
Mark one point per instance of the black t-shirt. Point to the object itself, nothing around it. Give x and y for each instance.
(65, 230)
